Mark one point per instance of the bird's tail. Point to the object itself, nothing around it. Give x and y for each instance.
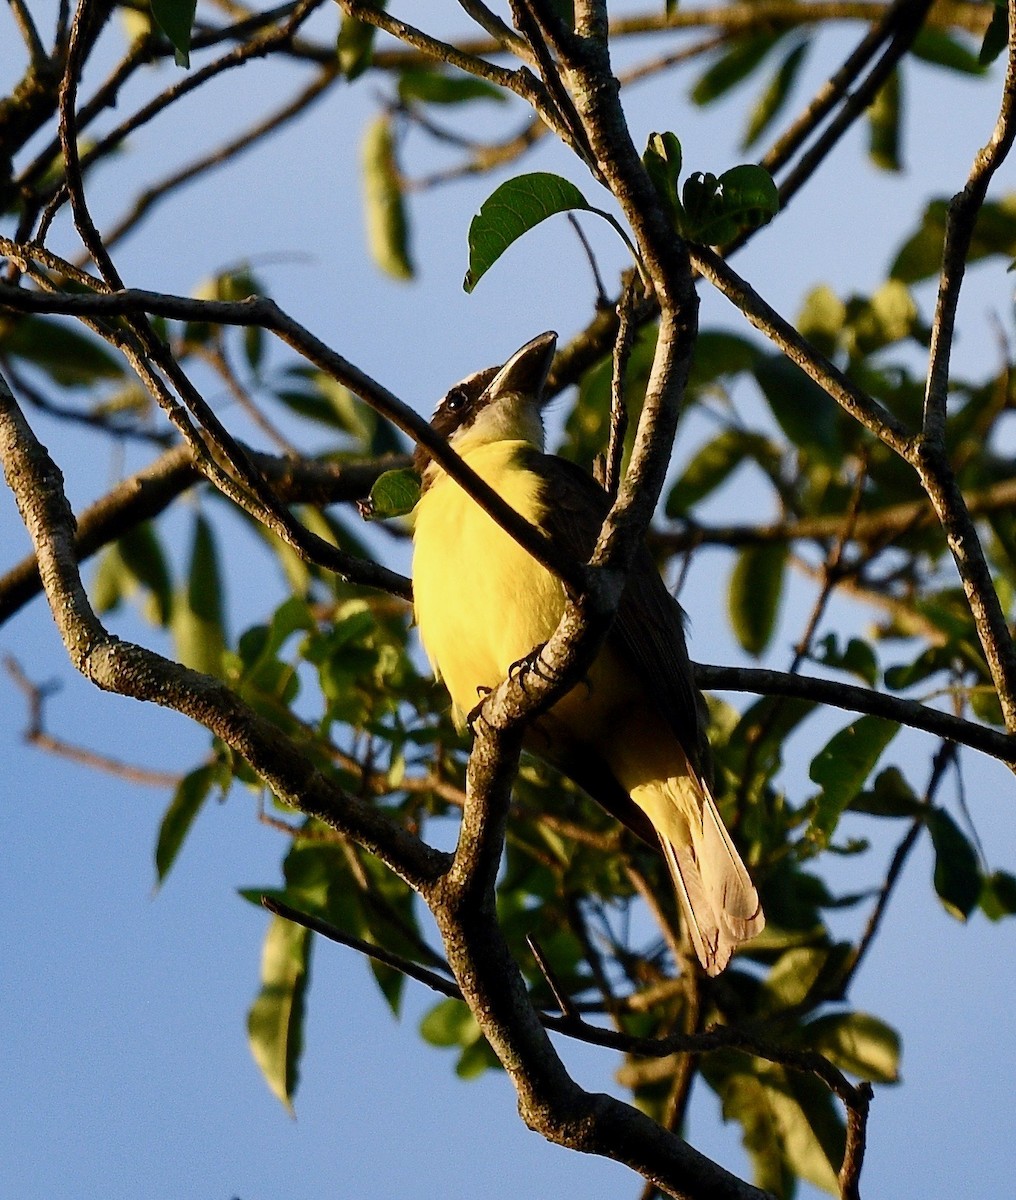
(718, 898)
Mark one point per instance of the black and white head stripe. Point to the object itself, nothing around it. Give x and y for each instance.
(457, 409)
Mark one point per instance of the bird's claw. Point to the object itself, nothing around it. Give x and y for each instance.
(476, 713)
(532, 661)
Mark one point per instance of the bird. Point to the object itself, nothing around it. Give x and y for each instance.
(631, 733)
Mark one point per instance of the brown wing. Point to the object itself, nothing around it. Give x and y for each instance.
(649, 629)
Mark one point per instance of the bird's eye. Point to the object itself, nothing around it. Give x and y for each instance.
(456, 399)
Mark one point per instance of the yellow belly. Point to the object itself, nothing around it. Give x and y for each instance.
(482, 603)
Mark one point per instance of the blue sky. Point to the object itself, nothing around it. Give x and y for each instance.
(125, 1069)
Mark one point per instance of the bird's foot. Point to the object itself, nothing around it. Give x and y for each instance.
(533, 661)
(476, 713)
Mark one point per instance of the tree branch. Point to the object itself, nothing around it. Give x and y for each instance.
(132, 670)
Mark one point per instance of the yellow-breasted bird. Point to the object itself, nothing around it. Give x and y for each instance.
(630, 733)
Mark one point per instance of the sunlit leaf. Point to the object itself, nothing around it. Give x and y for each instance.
(275, 1020)
(394, 494)
(384, 203)
(822, 318)
(857, 1043)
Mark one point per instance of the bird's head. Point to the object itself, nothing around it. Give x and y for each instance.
(498, 404)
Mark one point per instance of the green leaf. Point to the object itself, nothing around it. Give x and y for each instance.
(891, 796)
(943, 50)
(858, 657)
(957, 875)
(775, 94)
(394, 494)
(175, 18)
(994, 233)
(384, 204)
(860, 1044)
(513, 209)
(716, 209)
(794, 976)
(998, 895)
(198, 621)
(662, 161)
(711, 466)
(805, 412)
(449, 1023)
(730, 68)
(446, 87)
(67, 357)
(841, 767)
(355, 43)
(190, 794)
(887, 317)
(810, 1127)
(884, 125)
(275, 1020)
(141, 554)
(996, 36)
(719, 355)
(822, 318)
(756, 588)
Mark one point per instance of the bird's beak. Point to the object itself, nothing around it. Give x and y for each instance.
(526, 371)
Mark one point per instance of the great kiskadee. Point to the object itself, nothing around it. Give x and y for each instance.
(630, 733)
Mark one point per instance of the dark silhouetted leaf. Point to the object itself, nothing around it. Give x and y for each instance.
(841, 767)
(957, 875)
(513, 209)
(805, 413)
(191, 793)
(662, 160)
(756, 588)
(775, 94)
(69, 358)
(175, 18)
(884, 125)
(441, 87)
(198, 612)
(731, 67)
(996, 36)
(355, 43)
(941, 48)
(998, 895)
